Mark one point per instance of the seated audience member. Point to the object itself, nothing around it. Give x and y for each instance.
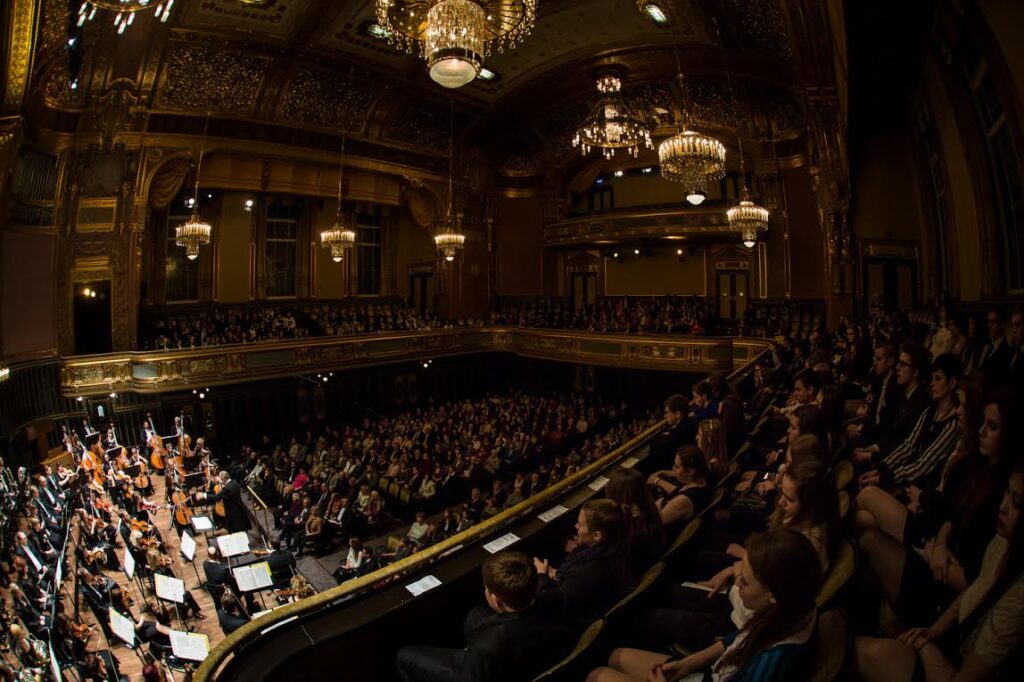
(704, 405)
(778, 581)
(806, 391)
(920, 458)
(645, 535)
(354, 560)
(418, 529)
(911, 368)
(711, 441)
(684, 489)
(665, 444)
(875, 416)
(594, 575)
(513, 638)
(982, 627)
(925, 555)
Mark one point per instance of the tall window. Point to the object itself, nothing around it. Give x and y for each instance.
(368, 242)
(1004, 171)
(181, 275)
(928, 137)
(281, 246)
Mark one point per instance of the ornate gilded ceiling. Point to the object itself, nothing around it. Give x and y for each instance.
(310, 65)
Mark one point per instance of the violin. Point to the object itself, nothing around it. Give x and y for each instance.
(80, 631)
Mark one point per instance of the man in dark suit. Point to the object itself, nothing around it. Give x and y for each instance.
(235, 514)
(879, 411)
(514, 637)
(665, 443)
(997, 354)
(216, 573)
(1015, 337)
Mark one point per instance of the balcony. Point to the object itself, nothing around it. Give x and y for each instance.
(639, 224)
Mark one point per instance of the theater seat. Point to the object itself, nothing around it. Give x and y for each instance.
(844, 504)
(685, 536)
(580, 660)
(842, 473)
(646, 585)
(840, 570)
(830, 647)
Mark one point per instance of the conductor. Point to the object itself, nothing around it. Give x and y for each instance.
(230, 494)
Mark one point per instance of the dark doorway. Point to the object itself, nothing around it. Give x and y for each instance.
(733, 291)
(584, 288)
(419, 291)
(891, 281)
(92, 318)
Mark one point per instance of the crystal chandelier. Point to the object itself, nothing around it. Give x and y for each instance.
(339, 238)
(195, 231)
(693, 160)
(450, 240)
(455, 36)
(124, 11)
(748, 219)
(612, 124)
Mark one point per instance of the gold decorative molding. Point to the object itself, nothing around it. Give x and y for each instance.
(638, 224)
(19, 54)
(96, 215)
(154, 372)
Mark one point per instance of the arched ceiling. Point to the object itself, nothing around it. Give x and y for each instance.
(303, 72)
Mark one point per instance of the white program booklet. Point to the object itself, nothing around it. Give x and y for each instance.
(552, 514)
(422, 585)
(501, 543)
(598, 483)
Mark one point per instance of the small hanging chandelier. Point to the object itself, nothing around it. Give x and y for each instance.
(691, 158)
(454, 36)
(195, 232)
(339, 238)
(748, 218)
(612, 124)
(124, 11)
(450, 240)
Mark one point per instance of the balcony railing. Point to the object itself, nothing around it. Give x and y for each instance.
(152, 372)
(636, 225)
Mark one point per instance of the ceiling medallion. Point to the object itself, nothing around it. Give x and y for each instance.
(748, 219)
(612, 124)
(124, 10)
(195, 232)
(339, 238)
(455, 36)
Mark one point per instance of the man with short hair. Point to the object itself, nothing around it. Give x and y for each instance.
(1015, 337)
(806, 389)
(665, 443)
(875, 417)
(996, 355)
(511, 639)
(911, 367)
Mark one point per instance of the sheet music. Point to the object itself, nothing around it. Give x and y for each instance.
(253, 577)
(501, 543)
(598, 483)
(170, 589)
(202, 523)
(422, 585)
(191, 646)
(188, 546)
(129, 564)
(122, 627)
(552, 514)
(234, 544)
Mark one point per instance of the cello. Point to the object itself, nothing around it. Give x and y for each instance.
(182, 513)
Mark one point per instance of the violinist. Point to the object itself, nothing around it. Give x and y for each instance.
(164, 565)
(100, 666)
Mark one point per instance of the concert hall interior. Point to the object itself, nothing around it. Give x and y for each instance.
(511, 340)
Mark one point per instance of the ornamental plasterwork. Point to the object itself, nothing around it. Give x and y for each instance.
(202, 79)
(420, 126)
(759, 24)
(19, 53)
(320, 98)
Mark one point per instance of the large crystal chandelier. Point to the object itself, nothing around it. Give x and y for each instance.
(339, 238)
(748, 219)
(455, 36)
(612, 124)
(691, 158)
(195, 232)
(124, 11)
(449, 239)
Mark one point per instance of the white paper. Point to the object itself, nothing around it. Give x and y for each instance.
(202, 523)
(170, 589)
(696, 586)
(552, 514)
(58, 574)
(129, 564)
(263, 613)
(422, 585)
(234, 544)
(598, 483)
(629, 462)
(190, 646)
(122, 627)
(32, 557)
(501, 543)
(188, 546)
(253, 577)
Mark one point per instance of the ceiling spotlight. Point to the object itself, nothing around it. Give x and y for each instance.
(696, 197)
(324, 379)
(619, 174)
(202, 396)
(647, 171)
(194, 391)
(79, 399)
(73, 84)
(679, 252)
(113, 394)
(615, 254)
(636, 252)
(92, 294)
(249, 203)
(654, 10)
(86, 291)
